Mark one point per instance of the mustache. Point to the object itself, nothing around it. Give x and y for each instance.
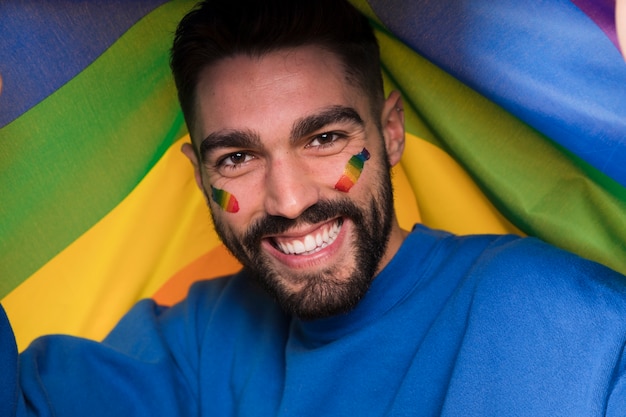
(317, 213)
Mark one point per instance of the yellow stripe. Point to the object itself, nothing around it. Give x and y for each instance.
(162, 226)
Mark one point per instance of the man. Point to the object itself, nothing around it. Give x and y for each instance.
(292, 141)
(264, 135)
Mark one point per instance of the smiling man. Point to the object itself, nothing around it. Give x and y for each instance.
(292, 126)
(278, 135)
(337, 310)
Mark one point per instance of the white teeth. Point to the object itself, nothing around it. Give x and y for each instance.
(311, 243)
(298, 246)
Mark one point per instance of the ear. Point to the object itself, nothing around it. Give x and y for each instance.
(189, 151)
(393, 127)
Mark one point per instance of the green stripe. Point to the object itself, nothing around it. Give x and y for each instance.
(71, 159)
(540, 187)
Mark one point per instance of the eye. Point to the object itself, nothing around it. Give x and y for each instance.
(234, 160)
(325, 139)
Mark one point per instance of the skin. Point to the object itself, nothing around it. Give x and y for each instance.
(254, 145)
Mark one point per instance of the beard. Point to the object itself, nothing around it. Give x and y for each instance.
(332, 290)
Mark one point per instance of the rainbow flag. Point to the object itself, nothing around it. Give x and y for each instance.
(516, 119)
(352, 172)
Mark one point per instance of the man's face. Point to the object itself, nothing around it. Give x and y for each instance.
(275, 135)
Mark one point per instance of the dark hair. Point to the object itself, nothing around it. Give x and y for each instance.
(217, 29)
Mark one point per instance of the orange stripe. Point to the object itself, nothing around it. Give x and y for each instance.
(218, 262)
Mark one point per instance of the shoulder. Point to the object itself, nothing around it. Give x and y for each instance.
(217, 314)
(526, 279)
(228, 307)
(219, 300)
(512, 273)
(530, 260)
(234, 292)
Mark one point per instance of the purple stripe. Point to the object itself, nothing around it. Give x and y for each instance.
(602, 12)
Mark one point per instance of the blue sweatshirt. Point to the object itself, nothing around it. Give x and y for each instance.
(453, 326)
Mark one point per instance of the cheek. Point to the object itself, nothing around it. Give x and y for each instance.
(352, 171)
(235, 202)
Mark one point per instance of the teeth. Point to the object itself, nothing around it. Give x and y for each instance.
(311, 243)
(298, 246)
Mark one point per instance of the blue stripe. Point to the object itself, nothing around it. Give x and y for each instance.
(545, 62)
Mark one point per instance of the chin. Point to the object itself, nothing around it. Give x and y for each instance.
(316, 295)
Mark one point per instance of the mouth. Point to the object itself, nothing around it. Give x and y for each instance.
(310, 243)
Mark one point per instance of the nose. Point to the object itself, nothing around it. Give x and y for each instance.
(290, 188)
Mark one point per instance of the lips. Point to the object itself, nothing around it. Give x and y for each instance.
(310, 243)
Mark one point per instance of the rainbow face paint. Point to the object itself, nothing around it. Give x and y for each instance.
(225, 200)
(352, 172)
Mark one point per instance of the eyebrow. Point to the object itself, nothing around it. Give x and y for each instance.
(231, 138)
(335, 114)
(246, 139)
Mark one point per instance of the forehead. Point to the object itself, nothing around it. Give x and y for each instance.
(268, 92)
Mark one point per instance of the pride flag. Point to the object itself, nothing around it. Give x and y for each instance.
(515, 113)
